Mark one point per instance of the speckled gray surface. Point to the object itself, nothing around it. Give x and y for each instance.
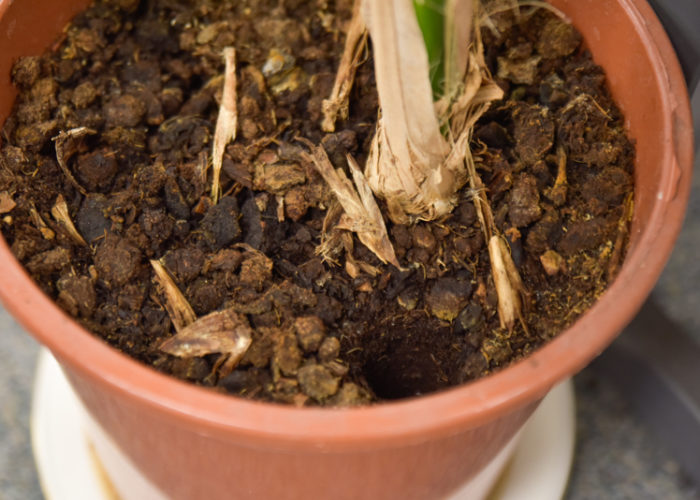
(18, 480)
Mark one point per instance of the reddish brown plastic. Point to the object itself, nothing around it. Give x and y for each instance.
(196, 444)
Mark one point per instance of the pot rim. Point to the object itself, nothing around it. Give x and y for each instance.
(465, 406)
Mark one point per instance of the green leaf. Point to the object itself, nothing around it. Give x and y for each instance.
(431, 19)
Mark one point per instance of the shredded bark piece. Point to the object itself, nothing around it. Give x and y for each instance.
(227, 121)
(224, 332)
(179, 310)
(62, 216)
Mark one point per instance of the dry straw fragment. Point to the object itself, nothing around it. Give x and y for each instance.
(509, 286)
(362, 215)
(62, 216)
(45, 230)
(223, 332)
(227, 121)
(179, 310)
(67, 144)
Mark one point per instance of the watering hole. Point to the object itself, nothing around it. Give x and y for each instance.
(402, 360)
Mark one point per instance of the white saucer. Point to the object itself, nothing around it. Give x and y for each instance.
(69, 469)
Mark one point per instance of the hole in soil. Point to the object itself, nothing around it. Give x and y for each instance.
(404, 362)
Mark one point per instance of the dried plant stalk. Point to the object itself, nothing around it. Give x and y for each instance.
(66, 144)
(179, 310)
(355, 44)
(407, 167)
(224, 332)
(412, 165)
(362, 214)
(509, 286)
(226, 122)
(62, 216)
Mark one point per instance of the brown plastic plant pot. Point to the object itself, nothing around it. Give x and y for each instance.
(194, 443)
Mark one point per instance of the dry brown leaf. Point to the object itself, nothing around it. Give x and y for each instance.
(223, 332)
(226, 122)
(355, 44)
(179, 310)
(62, 216)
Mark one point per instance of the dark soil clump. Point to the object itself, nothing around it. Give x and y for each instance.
(145, 80)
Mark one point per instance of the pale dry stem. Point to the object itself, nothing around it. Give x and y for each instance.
(66, 144)
(179, 310)
(412, 165)
(407, 164)
(224, 332)
(355, 44)
(62, 216)
(227, 121)
(509, 286)
(457, 37)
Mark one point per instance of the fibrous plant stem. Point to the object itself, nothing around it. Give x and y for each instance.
(336, 106)
(420, 157)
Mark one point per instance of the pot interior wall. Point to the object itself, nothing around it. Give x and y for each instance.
(28, 28)
(631, 73)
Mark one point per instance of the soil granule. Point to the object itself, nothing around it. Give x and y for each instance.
(145, 80)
